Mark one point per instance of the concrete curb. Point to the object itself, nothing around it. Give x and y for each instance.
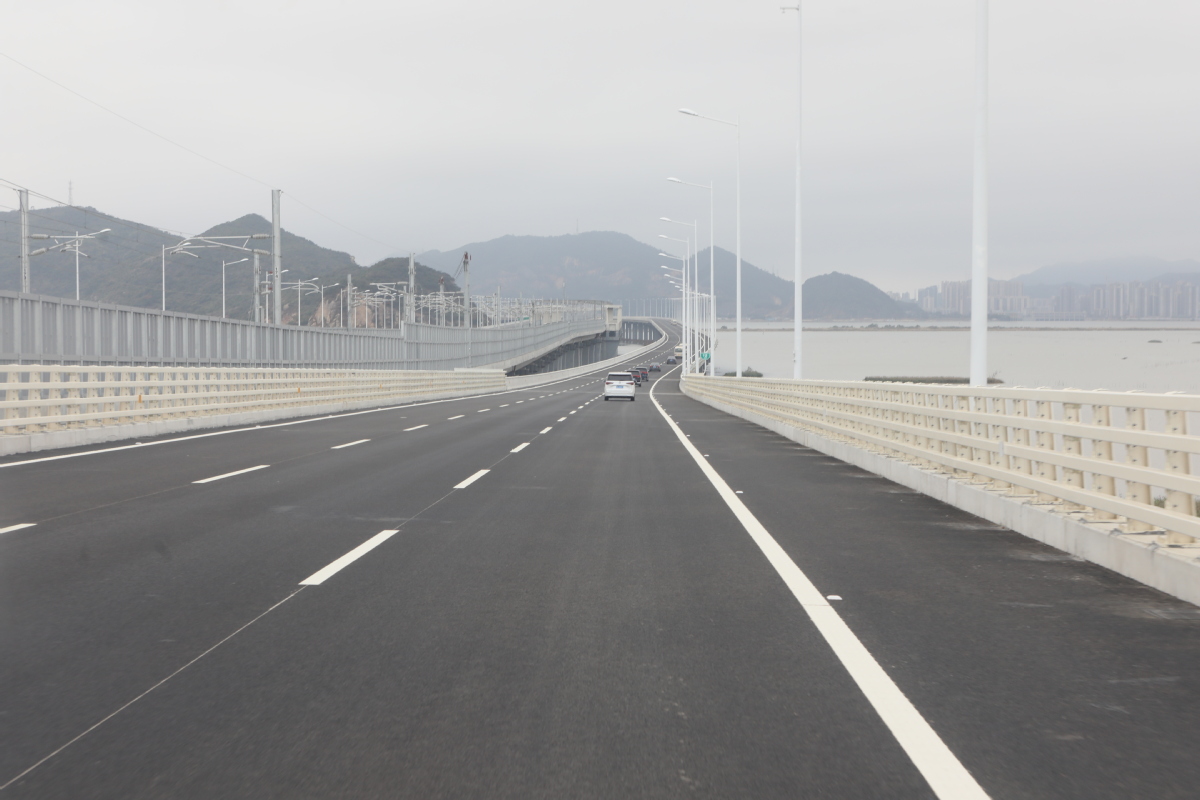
(1174, 570)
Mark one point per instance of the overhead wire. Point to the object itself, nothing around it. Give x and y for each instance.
(193, 152)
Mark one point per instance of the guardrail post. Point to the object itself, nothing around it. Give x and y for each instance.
(1072, 445)
(1138, 456)
(1102, 450)
(1045, 441)
(1178, 463)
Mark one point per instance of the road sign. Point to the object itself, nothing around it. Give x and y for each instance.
(706, 356)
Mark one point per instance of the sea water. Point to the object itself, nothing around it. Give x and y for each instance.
(1143, 356)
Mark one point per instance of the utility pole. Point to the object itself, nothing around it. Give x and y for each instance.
(23, 194)
(276, 256)
(410, 305)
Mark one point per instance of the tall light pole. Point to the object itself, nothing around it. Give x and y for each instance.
(225, 264)
(712, 254)
(686, 317)
(979, 221)
(797, 361)
(737, 124)
(323, 288)
(693, 282)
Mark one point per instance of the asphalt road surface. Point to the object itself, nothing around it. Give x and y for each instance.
(538, 594)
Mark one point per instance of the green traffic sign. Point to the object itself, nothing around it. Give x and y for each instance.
(706, 356)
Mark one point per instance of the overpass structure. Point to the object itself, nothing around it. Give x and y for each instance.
(530, 592)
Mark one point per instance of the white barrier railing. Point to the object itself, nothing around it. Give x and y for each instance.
(41, 399)
(1120, 457)
(45, 398)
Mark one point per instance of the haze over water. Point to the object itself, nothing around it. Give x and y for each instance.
(1117, 357)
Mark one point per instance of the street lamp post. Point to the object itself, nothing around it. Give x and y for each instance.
(979, 221)
(225, 264)
(684, 301)
(737, 124)
(798, 296)
(697, 324)
(712, 254)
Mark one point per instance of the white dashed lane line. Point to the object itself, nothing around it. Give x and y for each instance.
(562, 419)
(472, 479)
(415, 428)
(516, 449)
(325, 573)
(480, 411)
(348, 444)
(23, 525)
(231, 474)
(547, 429)
(459, 416)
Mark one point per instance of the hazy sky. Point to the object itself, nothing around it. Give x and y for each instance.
(432, 124)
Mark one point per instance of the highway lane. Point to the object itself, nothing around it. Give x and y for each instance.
(103, 601)
(585, 619)
(1050, 677)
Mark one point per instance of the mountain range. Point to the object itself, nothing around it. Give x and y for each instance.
(1112, 270)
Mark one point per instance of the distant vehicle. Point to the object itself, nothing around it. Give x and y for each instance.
(679, 351)
(637, 376)
(671, 360)
(620, 384)
(655, 367)
(645, 373)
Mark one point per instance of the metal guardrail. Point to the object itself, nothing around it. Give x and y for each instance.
(47, 330)
(1109, 457)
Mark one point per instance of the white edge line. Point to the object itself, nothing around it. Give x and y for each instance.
(516, 449)
(415, 428)
(348, 444)
(325, 573)
(472, 479)
(946, 775)
(231, 474)
(12, 528)
(547, 429)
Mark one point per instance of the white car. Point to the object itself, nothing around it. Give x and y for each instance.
(620, 384)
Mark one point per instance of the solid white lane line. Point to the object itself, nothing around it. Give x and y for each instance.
(946, 775)
(472, 479)
(516, 449)
(415, 428)
(325, 573)
(348, 444)
(562, 419)
(11, 528)
(231, 474)
(547, 429)
(480, 411)
(459, 416)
